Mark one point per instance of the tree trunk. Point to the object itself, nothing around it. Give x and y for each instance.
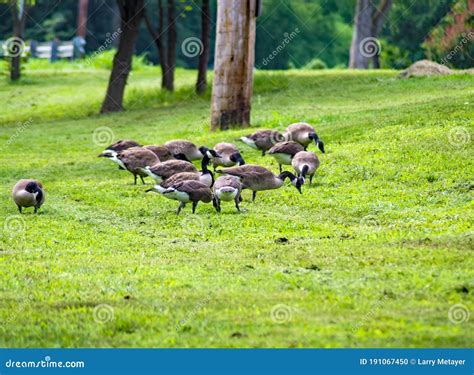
(17, 44)
(362, 31)
(171, 54)
(131, 13)
(233, 63)
(82, 18)
(158, 39)
(377, 23)
(201, 85)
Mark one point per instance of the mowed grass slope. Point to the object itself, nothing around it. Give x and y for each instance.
(375, 253)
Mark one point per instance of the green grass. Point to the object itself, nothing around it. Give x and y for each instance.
(377, 251)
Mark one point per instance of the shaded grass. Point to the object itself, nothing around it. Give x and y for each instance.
(374, 254)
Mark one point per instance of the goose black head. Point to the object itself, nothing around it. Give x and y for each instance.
(297, 182)
(237, 158)
(317, 141)
(209, 153)
(181, 156)
(32, 187)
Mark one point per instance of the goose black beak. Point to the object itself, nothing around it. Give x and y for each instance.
(320, 145)
(148, 190)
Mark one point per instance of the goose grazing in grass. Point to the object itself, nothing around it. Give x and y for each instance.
(257, 178)
(28, 193)
(188, 191)
(162, 171)
(284, 152)
(304, 134)
(229, 155)
(186, 148)
(134, 160)
(263, 140)
(161, 151)
(305, 164)
(205, 176)
(111, 151)
(226, 188)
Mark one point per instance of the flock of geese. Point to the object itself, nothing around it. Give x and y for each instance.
(171, 166)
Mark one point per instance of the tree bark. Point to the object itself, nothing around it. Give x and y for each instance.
(362, 31)
(201, 85)
(82, 18)
(377, 23)
(158, 39)
(233, 64)
(171, 53)
(131, 13)
(19, 20)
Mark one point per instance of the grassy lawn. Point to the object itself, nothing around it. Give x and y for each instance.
(375, 253)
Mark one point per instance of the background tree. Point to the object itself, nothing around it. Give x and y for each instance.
(233, 64)
(158, 40)
(201, 84)
(131, 12)
(368, 22)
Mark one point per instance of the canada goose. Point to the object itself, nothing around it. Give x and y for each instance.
(161, 151)
(284, 152)
(205, 176)
(186, 148)
(134, 160)
(305, 163)
(28, 193)
(230, 155)
(257, 178)
(303, 133)
(263, 140)
(162, 171)
(226, 188)
(187, 191)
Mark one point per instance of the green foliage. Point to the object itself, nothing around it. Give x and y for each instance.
(391, 56)
(316, 64)
(378, 249)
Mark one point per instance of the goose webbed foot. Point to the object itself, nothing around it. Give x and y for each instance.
(263, 152)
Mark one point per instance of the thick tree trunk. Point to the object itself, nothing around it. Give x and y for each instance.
(362, 31)
(201, 84)
(233, 63)
(131, 13)
(171, 53)
(19, 20)
(377, 23)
